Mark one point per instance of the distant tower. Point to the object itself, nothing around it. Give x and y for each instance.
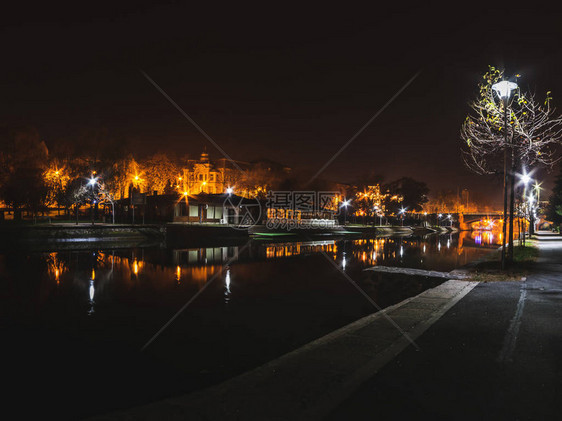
(204, 157)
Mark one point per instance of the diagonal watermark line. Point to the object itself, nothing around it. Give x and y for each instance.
(363, 128)
(386, 316)
(192, 299)
(182, 112)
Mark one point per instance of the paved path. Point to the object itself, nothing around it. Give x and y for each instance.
(495, 355)
(311, 381)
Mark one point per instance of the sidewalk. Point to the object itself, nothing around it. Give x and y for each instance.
(497, 354)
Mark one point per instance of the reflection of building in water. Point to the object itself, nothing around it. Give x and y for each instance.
(205, 256)
(274, 251)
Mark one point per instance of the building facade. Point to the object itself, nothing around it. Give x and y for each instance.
(205, 176)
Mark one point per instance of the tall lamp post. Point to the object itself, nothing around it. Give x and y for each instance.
(503, 90)
(93, 181)
(525, 179)
(402, 212)
(345, 204)
(531, 200)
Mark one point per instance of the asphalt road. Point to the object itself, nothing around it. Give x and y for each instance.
(497, 354)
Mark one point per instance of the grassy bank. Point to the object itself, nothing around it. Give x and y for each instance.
(489, 270)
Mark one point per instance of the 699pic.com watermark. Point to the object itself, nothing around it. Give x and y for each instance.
(290, 210)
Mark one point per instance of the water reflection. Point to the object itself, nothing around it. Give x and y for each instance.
(267, 299)
(227, 291)
(196, 265)
(98, 276)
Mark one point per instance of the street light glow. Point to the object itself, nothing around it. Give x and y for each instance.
(92, 181)
(504, 88)
(229, 190)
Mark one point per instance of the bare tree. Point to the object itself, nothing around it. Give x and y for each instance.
(509, 133)
(533, 131)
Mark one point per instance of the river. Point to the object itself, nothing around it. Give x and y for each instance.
(78, 319)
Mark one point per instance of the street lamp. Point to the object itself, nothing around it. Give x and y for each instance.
(450, 220)
(402, 212)
(92, 182)
(503, 90)
(344, 205)
(526, 179)
(229, 190)
(439, 215)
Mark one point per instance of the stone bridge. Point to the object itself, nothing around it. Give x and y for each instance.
(467, 219)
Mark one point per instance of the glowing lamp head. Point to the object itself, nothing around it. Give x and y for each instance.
(92, 181)
(525, 178)
(440, 215)
(503, 89)
(449, 216)
(185, 193)
(345, 203)
(229, 190)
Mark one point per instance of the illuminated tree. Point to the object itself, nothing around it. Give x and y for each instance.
(75, 194)
(371, 202)
(56, 178)
(159, 173)
(533, 130)
(531, 136)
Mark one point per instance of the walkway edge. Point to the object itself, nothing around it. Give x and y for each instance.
(311, 381)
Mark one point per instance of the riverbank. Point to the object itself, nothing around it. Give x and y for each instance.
(68, 235)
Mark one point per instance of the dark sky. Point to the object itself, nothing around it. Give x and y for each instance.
(274, 80)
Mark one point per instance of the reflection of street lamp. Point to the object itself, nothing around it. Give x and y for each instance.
(503, 90)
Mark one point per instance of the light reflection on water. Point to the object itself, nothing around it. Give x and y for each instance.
(268, 299)
(163, 269)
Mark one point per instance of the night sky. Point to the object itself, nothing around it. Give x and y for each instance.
(274, 80)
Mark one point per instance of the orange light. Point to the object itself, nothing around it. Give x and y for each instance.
(93, 274)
